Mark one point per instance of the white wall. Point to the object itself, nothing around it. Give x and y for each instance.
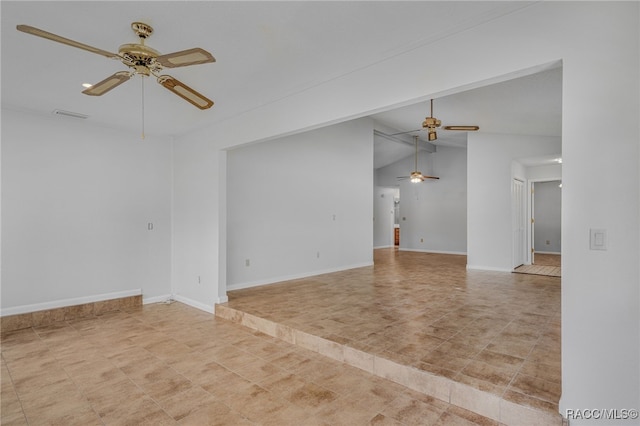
(387, 176)
(491, 168)
(198, 216)
(547, 214)
(433, 213)
(77, 200)
(300, 205)
(600, 288)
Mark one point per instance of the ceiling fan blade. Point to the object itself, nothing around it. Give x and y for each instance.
(185, 92)
(462, 128)
(44, 34)
(424, 177)
(183, 58)
(108, 83)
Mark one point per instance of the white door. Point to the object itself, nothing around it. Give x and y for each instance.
(519, 219)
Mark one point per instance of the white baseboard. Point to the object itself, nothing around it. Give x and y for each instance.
(274, 280)
(195, 304)
(548, 252)
(383, 247)
(62, 303)
(460, 253)
(187, 301)
(156, 299)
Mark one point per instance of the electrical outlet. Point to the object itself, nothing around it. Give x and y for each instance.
(318, 255)
(199, 281)
(598, 239)
(422, 240)
(247, 262)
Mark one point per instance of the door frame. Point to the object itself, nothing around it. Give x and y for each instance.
(530, 218)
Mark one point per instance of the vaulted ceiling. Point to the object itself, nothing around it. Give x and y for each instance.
(265, 52)
(527, 105)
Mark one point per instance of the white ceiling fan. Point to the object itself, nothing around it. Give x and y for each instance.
(416, 176)
(141, 60)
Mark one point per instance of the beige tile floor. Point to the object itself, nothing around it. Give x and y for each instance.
(544, 264)
(546, 259)
(496, 332)
(173, 364)
(551, 271)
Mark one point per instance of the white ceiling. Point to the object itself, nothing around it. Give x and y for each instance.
(265, 51)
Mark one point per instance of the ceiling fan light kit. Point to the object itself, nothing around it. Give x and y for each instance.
(416, 176)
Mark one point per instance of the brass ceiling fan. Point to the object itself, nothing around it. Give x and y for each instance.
(142, 60)
(431, 123)
(416, 176)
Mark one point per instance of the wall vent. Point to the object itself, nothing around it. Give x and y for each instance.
(69, 114)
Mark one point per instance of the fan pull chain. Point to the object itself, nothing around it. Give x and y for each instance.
(142, 78)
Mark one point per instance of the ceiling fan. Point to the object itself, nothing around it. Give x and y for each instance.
(431, 123)
(417, 176)
(142, 60)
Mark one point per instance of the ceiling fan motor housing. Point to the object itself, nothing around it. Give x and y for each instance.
(431, 123)
(140, 57)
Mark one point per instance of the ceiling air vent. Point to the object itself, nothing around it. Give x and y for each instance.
(69, 114)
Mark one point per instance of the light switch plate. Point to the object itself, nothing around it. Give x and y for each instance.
(598, 239)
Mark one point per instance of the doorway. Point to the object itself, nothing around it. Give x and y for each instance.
(546, 231)
(396, 219)
(541, 246)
